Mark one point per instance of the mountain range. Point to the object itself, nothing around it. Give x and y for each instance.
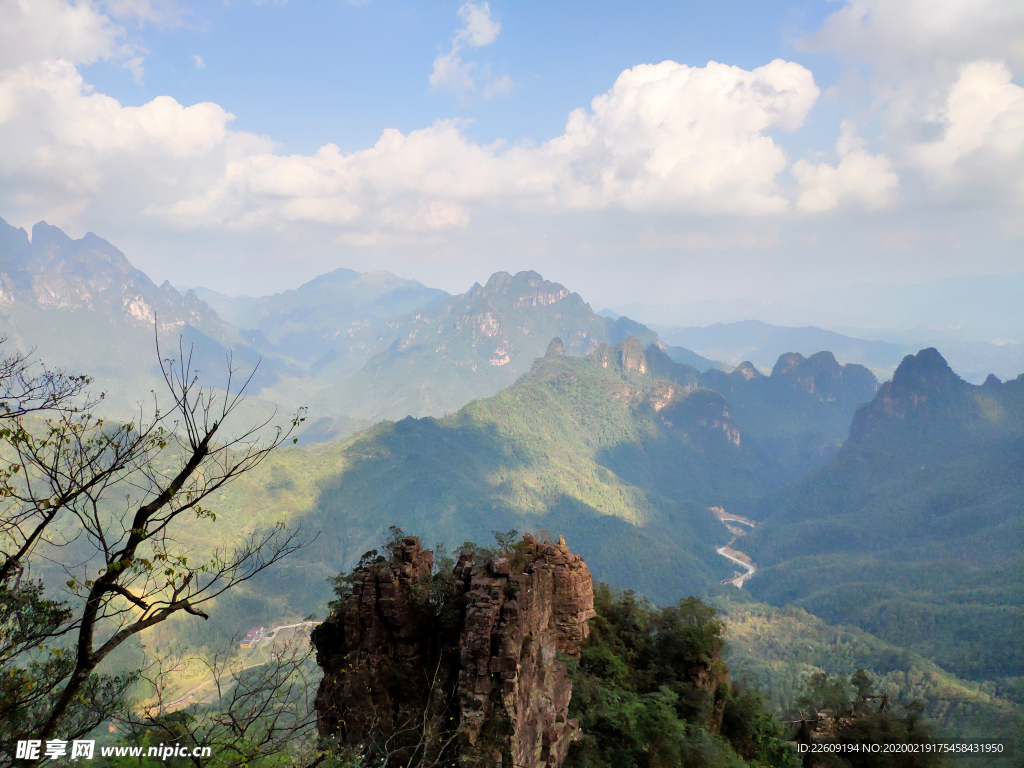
(621, 449)
(762, 343)
(891, 511)
(353, 347)
(913, 531)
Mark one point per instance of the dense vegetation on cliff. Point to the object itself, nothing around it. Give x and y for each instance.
(651, 689)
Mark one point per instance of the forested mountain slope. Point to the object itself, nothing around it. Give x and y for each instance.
(471, 346)
(621, 450)
(800, 414)
(914, 530)
(594, 447)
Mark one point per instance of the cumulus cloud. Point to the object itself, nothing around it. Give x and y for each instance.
(35, 30)
(67, 147)
(666, 137)
(941, 85)
(672, 137)
(860, 178)
(918, 33)
(81, 33)
(451, 72)
(982, 123)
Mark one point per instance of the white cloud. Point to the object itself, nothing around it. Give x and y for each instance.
(451, 72)
(918, 33)
(666, 137)
(672, 137)
(860, 178)
(983, 131)
(198, 61)
(941, 87)
(68, 148)
(35, 30)
(480, 29)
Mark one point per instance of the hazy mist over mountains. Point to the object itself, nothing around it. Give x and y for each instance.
(884, 481)
(358, 347)
(543, 384)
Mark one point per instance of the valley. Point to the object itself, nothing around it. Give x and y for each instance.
(734, 524)
(873, 513)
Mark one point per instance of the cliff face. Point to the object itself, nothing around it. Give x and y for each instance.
(420, 669)
(55, 272)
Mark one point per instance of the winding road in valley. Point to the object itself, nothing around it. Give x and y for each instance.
(733, 522)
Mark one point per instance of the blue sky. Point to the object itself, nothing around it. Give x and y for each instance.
(308, 72)
(661, 153)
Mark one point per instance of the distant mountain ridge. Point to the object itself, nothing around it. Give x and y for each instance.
(52, 271)
(80, 304)
(336, 320)
(471, 346)
(965, 308)
(914, 529)
(761, 343)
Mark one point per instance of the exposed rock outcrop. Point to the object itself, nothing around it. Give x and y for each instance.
(555, 347)
(419, 668)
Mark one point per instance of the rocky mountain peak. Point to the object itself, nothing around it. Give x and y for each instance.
(925, 370)
(923, 383)
(55, 272)
(555, 348)
(820, 363)
(629, 355)
(15, 248)
(483, 678)
(822, 375)
(525, 289)
(747, 370)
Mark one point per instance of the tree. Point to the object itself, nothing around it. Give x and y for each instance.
(260, 708)
(115, 496)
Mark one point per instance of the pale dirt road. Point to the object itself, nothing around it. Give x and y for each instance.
(730, 521)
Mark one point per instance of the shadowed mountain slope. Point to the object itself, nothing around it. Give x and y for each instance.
(913, 531)
(800, 414)
(594, 447)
